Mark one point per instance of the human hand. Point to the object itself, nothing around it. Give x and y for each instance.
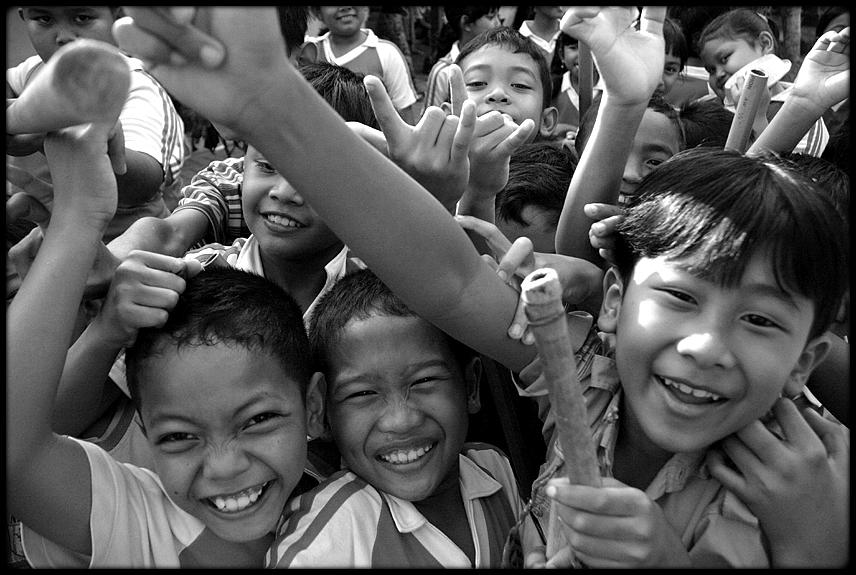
(434, 151)
(581, 280)
(797, 485)
(24, 144)
(824, 76)
(223, 62)
(630, 61)
(144, 290)
(615, 526)
(602, 232)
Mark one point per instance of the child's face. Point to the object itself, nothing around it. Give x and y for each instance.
(671, 69)
(722, 57)
(342, 20)
(228, 430)
(699, 361)
(656, 141)
(509, 83)
(52, 27)
(571, 58)
(286, 227)
(398, 404)
(484, 23)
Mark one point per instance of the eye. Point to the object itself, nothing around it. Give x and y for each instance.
(265, 167)
(262, 418)
(761, 321)
(175, 438)
(363, 393)
(678, 295)
(84, 19)
(475, 84)
(519, 86)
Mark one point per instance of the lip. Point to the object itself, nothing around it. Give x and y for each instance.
(393, 455)
(268, 218)
(265, 487)
(688, 403)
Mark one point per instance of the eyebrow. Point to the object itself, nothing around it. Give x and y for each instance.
(523, 69)
(771, 291)
(411, 369)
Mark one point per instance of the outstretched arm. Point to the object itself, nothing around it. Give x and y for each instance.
(630, 62)
(399, 229)
(822, 82)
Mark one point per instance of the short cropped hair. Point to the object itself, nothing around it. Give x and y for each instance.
(512, 41)
(539, 174)
(343, 89)
(713, 210)
(233, 307)
(359, 295)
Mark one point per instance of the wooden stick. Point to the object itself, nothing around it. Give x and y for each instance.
(542, 296)
(746, 109)
(84, 81)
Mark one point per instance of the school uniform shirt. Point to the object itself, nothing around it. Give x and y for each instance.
(378, 57)
(437, 84)
(150, 124)
(568, 105)
(716, 528)
(134, 523)
(547, 46)
(345, 522)
(216, 192)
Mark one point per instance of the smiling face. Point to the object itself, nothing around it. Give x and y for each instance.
(497, 79)
(722, 57)
(671, 70)
(398, 404)
(699, 361)
(228, 431)
(286, 227)
(52, 27)
(656, 140)
(342, 20)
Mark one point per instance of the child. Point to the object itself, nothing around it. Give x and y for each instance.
(701, 350)
(226, 411)
(677, 55)
(738, 41)
(153, 131)
(463, 23)
(543, 28)
(566, 85)
(348, 44)
(411, 492)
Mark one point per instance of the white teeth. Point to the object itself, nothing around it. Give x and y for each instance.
(283, 221)
(406, 455)
(238, 501)
(691, 390)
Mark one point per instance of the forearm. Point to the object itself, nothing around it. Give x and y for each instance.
(597, 178)
(786, 129)
(141, 181)
(82, 393)
(171, 236)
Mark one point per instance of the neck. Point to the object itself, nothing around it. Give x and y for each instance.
(637, 459)
(303, 279)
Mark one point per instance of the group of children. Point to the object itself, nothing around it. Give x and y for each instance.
(355, 307)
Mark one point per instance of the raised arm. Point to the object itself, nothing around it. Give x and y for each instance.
(822, 82)
(630, 62)
(400, 230)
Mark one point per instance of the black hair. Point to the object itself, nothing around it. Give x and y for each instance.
(539, 174)
(740, 23)
(830, 14)
(355, 296)
(450, 31)
(513, 41)
(293, 23)
(343, 89)
(713, 210)
(232, 307)
(676, 42)
(705, 122)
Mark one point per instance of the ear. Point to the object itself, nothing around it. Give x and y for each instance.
(472, 379)
(613, 293)
(765, 40)
(812, 355)
(549, 121)
(315, 395)
(465, 23)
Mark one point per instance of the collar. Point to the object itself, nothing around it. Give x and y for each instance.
(475, 484)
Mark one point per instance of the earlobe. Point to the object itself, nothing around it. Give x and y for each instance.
(766, 41)
(613, 292)
(812, 355)
(549, 121)
(315, 396)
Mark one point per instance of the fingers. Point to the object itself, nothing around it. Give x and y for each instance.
(22, 205)
(835, 437)
(465, 131)
(519, 258)
(387, 116)
(495, 239)
(457, 89)
(163, 35)
(651, 20)
(374, 137)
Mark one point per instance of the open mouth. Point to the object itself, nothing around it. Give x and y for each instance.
(236, 502)
(688, 394)
(402, 456)
(283, 221)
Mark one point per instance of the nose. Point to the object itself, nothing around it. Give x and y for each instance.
(285, 192)
(633, 171)
(225, 461)
(497, 95)
(708, 349)
(64, 35)
(399, 416)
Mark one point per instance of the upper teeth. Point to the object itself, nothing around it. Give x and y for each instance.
(406, 455)
(691, 390)
(283, 221)
(238, 501)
